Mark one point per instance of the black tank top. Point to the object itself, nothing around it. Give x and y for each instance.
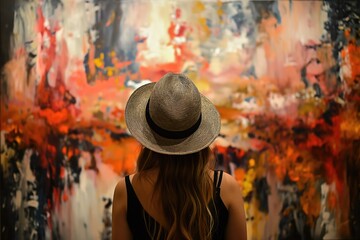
(136, 214)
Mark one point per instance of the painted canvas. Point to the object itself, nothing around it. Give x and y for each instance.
(284, 75)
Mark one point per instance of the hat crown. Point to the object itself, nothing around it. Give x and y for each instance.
(175, 103)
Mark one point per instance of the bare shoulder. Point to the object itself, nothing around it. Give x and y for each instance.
(230, 190)
(229, 183)
(230, 180)
(120, 228)
(120, 196)
(120, 187)
(233, 200)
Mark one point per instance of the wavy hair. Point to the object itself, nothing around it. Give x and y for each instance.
(185, 189)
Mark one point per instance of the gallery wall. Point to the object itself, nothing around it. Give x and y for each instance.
(284, 76)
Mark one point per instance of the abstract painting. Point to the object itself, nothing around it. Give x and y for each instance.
(284, 75)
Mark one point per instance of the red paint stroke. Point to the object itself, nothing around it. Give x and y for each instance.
(352, 52)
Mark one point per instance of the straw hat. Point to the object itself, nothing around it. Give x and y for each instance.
(171, 116)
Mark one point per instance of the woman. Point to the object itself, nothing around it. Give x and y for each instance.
(174, 194)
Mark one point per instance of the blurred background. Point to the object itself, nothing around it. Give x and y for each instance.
(284, 75)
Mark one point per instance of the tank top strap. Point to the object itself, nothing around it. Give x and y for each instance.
(128, 184)
(132, 199)
(220, 179)
(217, 180)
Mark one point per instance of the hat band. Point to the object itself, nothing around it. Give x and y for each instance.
(170, 134)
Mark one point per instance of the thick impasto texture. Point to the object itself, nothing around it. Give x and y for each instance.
(284, 75)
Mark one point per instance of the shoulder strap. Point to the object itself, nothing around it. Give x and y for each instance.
(132, 200)
(127, 181)
(128, 186)
(220, 179)
(131, 195)
(217, 181)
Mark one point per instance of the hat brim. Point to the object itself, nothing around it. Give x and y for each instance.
(136, 123)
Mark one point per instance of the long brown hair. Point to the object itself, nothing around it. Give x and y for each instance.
(185, 190)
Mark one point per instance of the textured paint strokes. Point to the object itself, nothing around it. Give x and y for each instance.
(284, 76)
